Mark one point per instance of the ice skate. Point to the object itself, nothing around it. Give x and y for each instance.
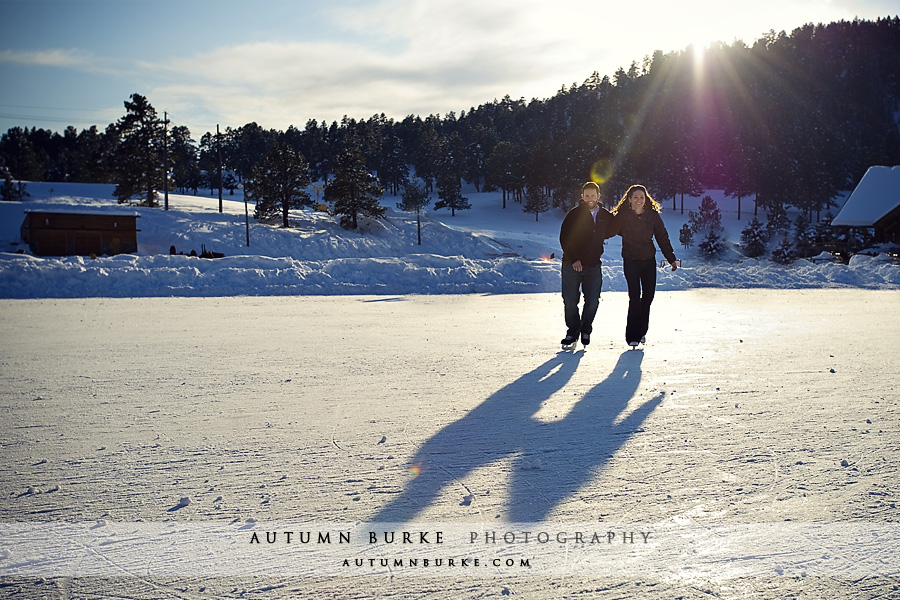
(568, 342)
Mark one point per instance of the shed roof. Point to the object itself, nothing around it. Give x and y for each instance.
(81, 211)
(875, 196)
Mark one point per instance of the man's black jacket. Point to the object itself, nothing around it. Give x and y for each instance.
(581, 238)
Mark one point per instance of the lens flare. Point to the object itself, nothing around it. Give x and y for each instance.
(415, 471)
(601, 171)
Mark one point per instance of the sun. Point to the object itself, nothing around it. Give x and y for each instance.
(699, 47)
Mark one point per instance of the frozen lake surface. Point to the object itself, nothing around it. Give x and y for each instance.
(747, 408)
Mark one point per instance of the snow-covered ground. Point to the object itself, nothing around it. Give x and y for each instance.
(487, 249)
(756, 437)
(157, 412)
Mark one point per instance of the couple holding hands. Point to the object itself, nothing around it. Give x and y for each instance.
(636, 218)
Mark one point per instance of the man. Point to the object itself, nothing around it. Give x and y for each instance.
(581, 237)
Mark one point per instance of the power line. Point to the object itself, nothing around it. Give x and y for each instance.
(193, 127)
(36, 118)
(9, 111)
(196, 130)
(31, 106)
(27, 120)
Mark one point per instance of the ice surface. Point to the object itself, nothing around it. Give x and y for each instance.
(458, 410)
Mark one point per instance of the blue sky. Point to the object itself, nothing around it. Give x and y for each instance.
(68, 62)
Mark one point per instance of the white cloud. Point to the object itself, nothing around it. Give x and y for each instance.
(433, 58)
(46, 58)
(77, 60)
(401, 57)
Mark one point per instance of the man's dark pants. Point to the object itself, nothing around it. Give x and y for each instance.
(588, 282)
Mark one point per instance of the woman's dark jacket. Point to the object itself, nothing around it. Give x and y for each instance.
(638, 231)
(581, 238)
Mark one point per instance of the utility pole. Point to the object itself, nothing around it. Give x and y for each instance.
(166, 157)
(247, 218)
(219, 151)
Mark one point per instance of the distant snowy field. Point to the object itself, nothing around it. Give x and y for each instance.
(483, 250)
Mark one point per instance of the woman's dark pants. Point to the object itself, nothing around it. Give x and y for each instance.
(640, 275)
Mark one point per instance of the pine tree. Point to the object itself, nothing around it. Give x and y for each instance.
(824, 232)
(803, 235)
(712, 246)
(481, 140)
(242, 149)
(753, 239)
(11, 191)
(393, 170)
(208, 163)
(784, 254)
(279, 183)
(503, 168)
(450, 194)
(778, 221)
(425, 159)
(229, 182)
(707, 218)
(139, 163)
(414, 198)
(19, 154)
(353, 191)
(314, 148)
(537, 201)
(183, 159)
(95, 160)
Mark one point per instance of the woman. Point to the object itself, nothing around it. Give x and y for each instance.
(637, 220)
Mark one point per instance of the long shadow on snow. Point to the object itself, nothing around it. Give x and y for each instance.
(552, 461)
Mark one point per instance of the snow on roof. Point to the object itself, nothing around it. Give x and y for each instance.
(876, 195)
(82, 211)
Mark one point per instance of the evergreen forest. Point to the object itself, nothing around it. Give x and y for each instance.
(791, 120)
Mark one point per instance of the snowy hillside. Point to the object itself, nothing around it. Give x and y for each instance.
(487, 249)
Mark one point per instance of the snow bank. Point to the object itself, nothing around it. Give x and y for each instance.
(163, 275)
(120, 276)
(485, 250)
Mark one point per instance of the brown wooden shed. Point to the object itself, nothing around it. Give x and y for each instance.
(50, 233)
